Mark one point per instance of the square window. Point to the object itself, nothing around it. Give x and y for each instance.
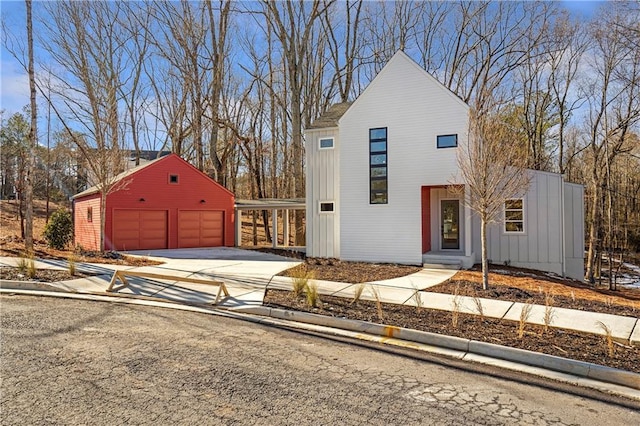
(326, 143)
(173, 179)
(447, 141)
(89, 214)
(326, 207)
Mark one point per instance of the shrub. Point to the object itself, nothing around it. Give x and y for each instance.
(59, 229)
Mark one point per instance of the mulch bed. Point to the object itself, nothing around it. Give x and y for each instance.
(536, 297)
(338, 270)
(13, 246)
(41, 275)
(563, 343)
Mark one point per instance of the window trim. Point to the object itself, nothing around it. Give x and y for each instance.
(333, 207)
(177, 176)
(384, 178)
(443, 136)
(505, 221)
(331, 138)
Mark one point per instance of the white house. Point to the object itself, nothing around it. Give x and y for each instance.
(377, 176)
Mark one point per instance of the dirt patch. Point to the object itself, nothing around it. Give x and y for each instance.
(563, 343)
(350, 272)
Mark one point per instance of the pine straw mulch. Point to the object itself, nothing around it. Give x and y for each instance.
(529, 286)
(563, 343)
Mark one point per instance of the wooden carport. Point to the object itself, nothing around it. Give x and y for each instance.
(273, 204)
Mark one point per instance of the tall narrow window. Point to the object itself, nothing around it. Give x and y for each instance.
(378, 190)
(89, 214)
(514, 216)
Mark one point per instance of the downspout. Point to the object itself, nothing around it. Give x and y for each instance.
(562, 230)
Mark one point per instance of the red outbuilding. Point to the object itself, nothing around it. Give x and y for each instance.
(166, 203)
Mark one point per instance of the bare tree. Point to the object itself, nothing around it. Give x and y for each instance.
(492, 174)
(613, 96)
(293, 26)
(33, 138)
(83, 42)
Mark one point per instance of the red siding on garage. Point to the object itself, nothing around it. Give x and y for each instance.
(87, 229)
(150, 189)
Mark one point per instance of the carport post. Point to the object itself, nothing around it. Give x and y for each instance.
(285, 227)
(274, 233)
(238, 217)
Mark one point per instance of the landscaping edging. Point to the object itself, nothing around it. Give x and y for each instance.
(464, 346)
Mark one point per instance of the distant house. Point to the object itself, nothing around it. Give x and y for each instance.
(377, 176)
(164, 203)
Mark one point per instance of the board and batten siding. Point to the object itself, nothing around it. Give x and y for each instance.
(574, 230)
(322, 185)
(541, 245)
(87, 233)
(415, 109)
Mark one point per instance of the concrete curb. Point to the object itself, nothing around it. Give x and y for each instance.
(465, 346)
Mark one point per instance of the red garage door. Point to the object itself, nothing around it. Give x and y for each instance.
(139, 229)
(200, 228)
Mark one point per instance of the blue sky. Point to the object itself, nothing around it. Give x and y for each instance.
(14, 84)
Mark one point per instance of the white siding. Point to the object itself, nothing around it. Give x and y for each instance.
(574, 230)
(540, 246)
(322, 185)
(414, 108)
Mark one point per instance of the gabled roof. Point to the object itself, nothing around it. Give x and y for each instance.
(127, 173)
(331, 116)
(400, 56)
(118, 178)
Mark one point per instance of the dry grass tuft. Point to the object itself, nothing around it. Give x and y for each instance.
(608, 339)
(525, 313)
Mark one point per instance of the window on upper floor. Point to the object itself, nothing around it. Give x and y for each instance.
(514, 216)
(326, 207)
(378, 190)
(326, 143)
(174, 179)
(89, 214)
(447, 141)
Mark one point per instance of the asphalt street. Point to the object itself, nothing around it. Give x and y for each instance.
(79, 362)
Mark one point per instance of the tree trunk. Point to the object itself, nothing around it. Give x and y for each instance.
(485, 260)
(593, 236)
(28, 230)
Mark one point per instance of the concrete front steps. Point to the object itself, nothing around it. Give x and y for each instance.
(447, 260)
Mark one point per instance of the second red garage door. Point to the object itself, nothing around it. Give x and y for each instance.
(200, 228)
(139, 229)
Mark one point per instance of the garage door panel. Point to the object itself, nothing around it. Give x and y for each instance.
(139, 229)
(200, 228)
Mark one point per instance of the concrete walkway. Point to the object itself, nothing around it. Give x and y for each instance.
(247, 274)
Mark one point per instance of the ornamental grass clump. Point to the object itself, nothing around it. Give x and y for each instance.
(300, 277)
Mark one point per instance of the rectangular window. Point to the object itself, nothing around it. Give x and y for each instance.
(326, 207)
(378, 190)
(173, 179)
(447, 141)
(89, 214)
(326, 143)
(514, 216)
